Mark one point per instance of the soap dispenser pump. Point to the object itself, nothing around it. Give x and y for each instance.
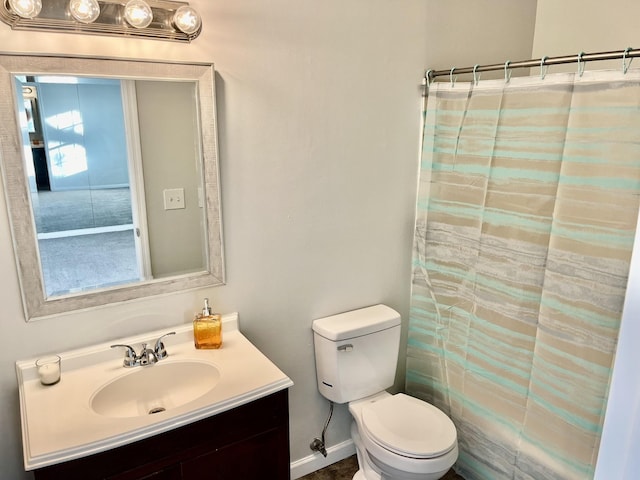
(207, 328)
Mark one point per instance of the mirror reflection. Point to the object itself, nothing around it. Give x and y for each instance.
(89, 206)
(111, 179)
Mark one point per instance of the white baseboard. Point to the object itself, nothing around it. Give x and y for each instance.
(316, 461)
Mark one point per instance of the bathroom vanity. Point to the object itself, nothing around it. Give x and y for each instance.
(246, 443)
(196, 414)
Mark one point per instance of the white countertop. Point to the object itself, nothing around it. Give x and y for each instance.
(58, 423)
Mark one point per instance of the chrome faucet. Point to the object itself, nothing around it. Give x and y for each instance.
(147, 356)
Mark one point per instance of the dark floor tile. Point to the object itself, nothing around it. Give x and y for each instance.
(342, 470)
(347, 468)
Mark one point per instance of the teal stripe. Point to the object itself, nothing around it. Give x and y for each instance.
(506, 174)
(611, 321)
(596, 235)
(535, 223)
(493, 216)
(561, 129)
(481, 371)
(582, 362)
(484, 341)
(558, 455)
(625, 161)
(569, 390)
(473, 407)
(498, 330)
(416, 378)
(478, 347)
(477, 465)
(491, 153)
(485, 281)
(531, 150)
(571, 417)
(494, 173)
(458, 272)
(503, 332)
(602, 320)
(614, 110)
(547, 383)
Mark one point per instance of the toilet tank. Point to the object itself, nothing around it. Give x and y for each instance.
(356, 352)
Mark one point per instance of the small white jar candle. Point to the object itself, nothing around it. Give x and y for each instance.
(49, 369)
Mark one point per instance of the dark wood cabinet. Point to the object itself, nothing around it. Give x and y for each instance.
(248, 442)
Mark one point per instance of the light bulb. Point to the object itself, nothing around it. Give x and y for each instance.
(187, 20)
(138, 13)
(26, 8)
(85, 11)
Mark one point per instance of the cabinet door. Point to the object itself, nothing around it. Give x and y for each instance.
(255, 458)
(172, 472)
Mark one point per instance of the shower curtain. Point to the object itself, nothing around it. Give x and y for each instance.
(527, 205)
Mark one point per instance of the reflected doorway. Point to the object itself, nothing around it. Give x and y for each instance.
(81, 195)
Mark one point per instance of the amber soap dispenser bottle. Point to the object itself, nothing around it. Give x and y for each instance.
(207, 328)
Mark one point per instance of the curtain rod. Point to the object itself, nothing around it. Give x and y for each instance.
(430, 75)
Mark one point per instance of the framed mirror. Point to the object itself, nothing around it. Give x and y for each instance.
(110, 171)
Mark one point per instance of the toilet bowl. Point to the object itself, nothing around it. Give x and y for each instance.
(402, 438)
(397, 437)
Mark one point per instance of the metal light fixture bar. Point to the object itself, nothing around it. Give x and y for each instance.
(56, 17)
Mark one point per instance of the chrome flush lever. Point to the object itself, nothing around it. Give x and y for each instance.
(347, 347)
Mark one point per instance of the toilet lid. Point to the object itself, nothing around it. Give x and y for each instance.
(408, 426)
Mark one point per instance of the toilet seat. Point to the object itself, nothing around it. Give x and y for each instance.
(409, 427)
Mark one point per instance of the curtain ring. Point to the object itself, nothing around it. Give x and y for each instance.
(580, 64)
(427, 77)
(476, 77)
(451, 79)
(507, 72)
(625, 65)
(543, 71)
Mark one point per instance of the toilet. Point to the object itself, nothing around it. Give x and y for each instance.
(397, 437)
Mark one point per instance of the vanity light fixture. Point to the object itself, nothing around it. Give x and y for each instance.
(84, 11)
(187, 20)
(138, 13)
(157, 19)
(25, 8)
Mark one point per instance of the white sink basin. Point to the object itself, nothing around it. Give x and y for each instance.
(155, 389)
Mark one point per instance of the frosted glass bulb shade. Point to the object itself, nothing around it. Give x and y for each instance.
(187, 20)
(26, 8)
(84, 11)
(138, 13)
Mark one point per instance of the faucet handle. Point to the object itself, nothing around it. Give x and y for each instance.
(159, 349)
(130, 357)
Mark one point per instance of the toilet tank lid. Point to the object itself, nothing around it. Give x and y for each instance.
(356, 322)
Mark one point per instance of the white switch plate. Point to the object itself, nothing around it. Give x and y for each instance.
(173, 198)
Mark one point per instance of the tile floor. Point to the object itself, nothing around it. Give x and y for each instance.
(346, 469)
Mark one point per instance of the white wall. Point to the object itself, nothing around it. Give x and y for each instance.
(318, 107)
(574, 26)
(568, 27)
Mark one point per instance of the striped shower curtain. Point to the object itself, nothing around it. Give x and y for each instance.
(528, 200)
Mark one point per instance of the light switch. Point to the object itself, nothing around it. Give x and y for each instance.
(173, 198)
